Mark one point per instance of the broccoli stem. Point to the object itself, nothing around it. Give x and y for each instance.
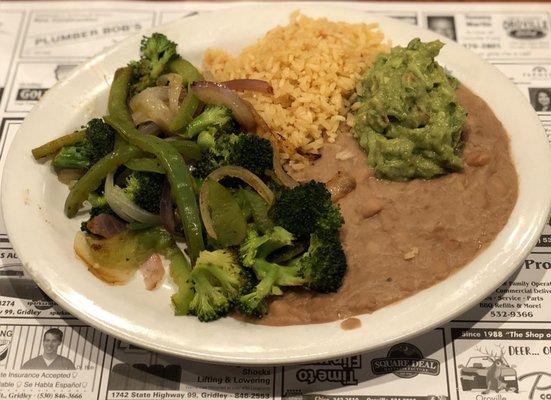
(177, 171)
(254, 303)
(93, 177)
(284, 275)
(180, 271)
(268, 274)
(54, 145)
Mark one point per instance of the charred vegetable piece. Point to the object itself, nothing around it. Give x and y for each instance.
(116, 259)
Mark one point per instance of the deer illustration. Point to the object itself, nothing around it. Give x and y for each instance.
(494, 377)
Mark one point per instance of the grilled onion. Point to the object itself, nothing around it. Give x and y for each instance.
(216, 93)
(174, 82)
(124, 207)
(151, 104)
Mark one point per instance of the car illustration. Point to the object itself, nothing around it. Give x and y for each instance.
(488, 373)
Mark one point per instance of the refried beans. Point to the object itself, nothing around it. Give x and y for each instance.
(402, 237)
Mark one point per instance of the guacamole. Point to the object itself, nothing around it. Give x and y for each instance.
(409, 121)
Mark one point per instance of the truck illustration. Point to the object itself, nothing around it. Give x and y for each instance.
(489, 372)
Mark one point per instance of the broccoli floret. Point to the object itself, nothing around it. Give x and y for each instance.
(249, 281)
(248, 151)
(272, 276)
(217, 281)
(216, 156)
(323, 266)
(98, 142)
(144, 189)
(101, 137)
(257, 246)
(254, 304)
(306, 209)
(218, 118)
(253, 153)
(100, 206)
(254, 252)
(155, 53)
(207, 139)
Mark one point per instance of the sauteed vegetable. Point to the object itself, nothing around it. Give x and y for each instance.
(185, 169)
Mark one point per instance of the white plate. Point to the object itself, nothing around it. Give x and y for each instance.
(32, 200)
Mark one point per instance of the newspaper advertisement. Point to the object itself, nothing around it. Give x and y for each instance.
(499, 350)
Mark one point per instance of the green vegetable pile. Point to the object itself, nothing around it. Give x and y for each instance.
(203, 181)
(409, 121)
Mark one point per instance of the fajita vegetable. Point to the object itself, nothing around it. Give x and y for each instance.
(169, 142)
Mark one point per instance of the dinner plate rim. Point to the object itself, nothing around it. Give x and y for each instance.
(21, 248)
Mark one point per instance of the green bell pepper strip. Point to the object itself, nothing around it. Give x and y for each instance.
(184, 115)
(254, 206)
(93, 177)
(118, 96)
(180, 271)
(190, 103)
(188, 148)
(228, 220)
(123, 152)
(54, 145)
(179, 177)
(145, 164)
(186, 70)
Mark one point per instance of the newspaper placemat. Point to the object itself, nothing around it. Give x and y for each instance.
(499, 350)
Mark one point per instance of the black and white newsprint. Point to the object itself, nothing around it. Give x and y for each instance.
(499, 350)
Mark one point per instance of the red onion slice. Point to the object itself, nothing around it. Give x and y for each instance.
(106, 225)
(165, 209)
(254, 85)
(216, 93)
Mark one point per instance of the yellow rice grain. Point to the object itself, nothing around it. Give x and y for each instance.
(313, 66)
